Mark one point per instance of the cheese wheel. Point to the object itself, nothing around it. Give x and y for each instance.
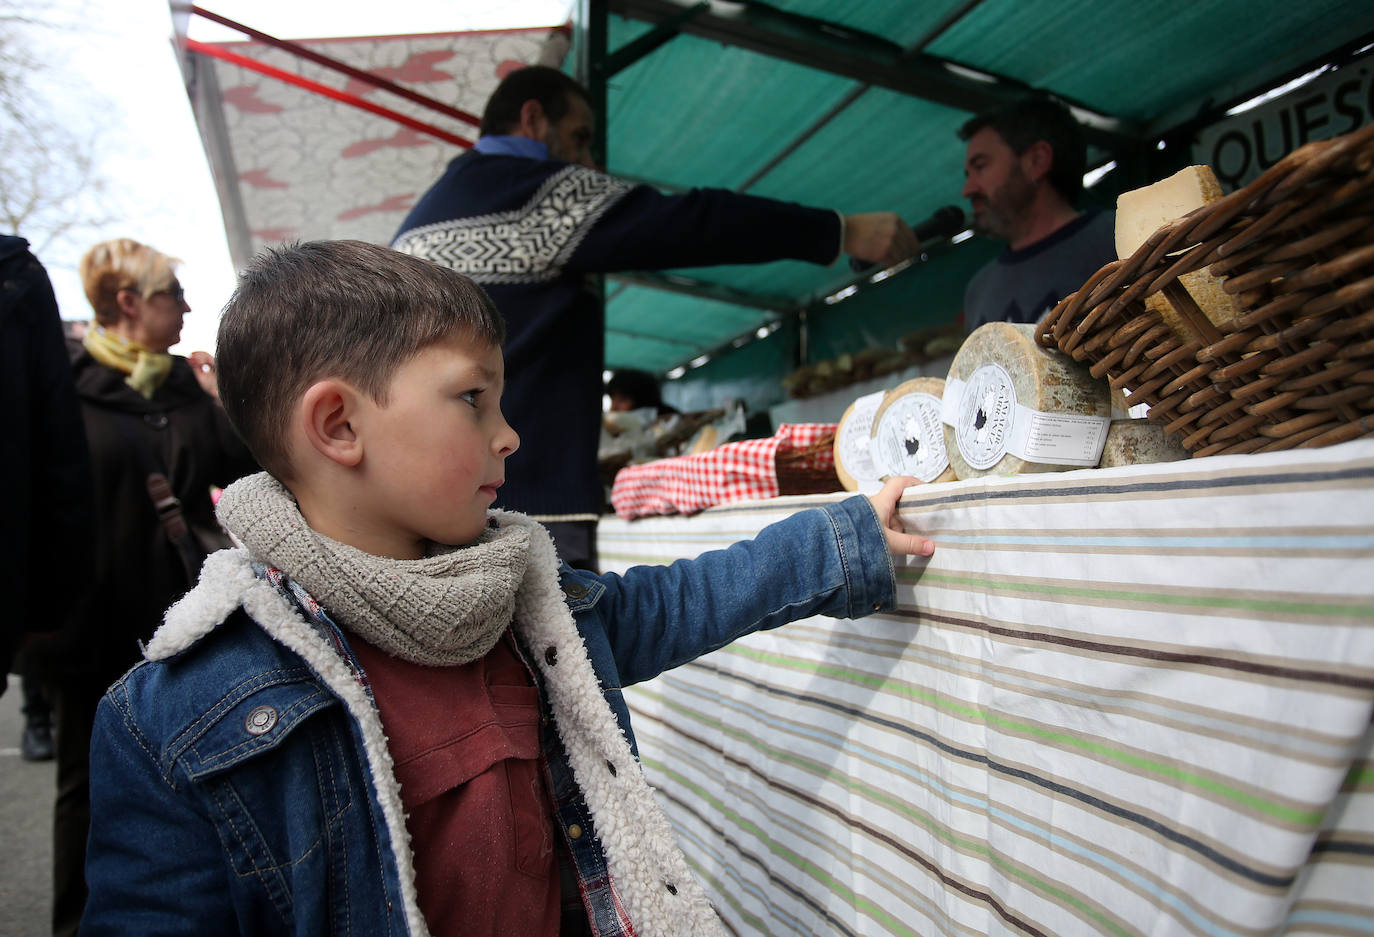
(908, 437)
(1005, 374)
(854, 463)
(1136, 442)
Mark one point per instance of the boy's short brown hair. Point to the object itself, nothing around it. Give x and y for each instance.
(341, 309)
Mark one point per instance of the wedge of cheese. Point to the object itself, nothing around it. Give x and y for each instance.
(1141, 212)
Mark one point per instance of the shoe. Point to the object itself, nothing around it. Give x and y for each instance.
(36, 745)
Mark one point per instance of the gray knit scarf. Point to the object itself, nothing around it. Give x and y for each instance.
(448, 608)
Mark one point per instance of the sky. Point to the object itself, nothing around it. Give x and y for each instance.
(116, 77)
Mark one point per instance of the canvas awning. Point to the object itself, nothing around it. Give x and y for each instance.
(836, 103)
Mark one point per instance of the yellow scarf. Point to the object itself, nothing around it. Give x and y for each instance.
(146, 369)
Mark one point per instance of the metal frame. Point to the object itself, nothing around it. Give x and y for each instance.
(813, 43)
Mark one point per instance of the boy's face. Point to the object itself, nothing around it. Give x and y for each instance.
(435, 454)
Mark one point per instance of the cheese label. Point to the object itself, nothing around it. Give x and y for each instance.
(909, 439)
(854, 448)
(983, 415)
(1058, 438)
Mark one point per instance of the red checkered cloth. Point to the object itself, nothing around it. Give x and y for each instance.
(735, 471)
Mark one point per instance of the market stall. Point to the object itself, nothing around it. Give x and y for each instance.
(1115, 701)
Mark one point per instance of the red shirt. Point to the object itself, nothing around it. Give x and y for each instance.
(465, 744)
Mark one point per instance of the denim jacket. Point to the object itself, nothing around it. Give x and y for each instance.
(233, 786)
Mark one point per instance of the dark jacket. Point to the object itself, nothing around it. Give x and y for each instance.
(43, 474)
(530, 232)
(136, 571)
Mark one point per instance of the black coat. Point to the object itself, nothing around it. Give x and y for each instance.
(136, 572)
(43, 475)
(529, 232)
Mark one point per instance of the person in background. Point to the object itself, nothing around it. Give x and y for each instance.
(147, 414)
(633, 390)
(1023, 175)
(526, 214)
(44, 476)
(393, 711)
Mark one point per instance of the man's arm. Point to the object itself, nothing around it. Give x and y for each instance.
(647, 230)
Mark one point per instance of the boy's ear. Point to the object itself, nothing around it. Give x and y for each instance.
(327, 409)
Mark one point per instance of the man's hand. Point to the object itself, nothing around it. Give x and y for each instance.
(899, 542)
(879, 237)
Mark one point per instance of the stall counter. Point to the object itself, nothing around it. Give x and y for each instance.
(1115, 701)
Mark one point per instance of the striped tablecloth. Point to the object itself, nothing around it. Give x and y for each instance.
(1124, 701)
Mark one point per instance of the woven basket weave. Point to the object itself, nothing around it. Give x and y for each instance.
(808, 470)
(1296, 368)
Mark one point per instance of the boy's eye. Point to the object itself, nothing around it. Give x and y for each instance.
(470, 396)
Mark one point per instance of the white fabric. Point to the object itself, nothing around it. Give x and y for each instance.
(1115, 701)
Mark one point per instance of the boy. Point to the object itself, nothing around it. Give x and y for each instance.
(392, 712)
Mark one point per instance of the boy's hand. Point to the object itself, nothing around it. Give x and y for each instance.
(899, 542)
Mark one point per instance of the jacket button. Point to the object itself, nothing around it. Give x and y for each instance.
(575, 590)
(551, 656)
(610, 766)
(574, 832)
(261, 720)
(672, 889)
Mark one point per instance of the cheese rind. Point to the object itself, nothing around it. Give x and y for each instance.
(1037, 378)
(1138, 442)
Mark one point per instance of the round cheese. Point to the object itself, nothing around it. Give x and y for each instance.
(1016, 407)
(853, 455)
(1135, 442)
(908, 438)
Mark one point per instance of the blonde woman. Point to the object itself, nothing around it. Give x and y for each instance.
(146, 413)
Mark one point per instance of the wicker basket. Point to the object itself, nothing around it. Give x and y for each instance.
(1296, 248)
(808, 470)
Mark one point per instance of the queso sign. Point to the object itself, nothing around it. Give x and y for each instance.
(1241, 147)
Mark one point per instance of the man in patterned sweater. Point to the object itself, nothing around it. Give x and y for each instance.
(526, 214)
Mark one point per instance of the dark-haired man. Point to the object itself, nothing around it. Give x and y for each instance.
(1023, 175)
(527, 215)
